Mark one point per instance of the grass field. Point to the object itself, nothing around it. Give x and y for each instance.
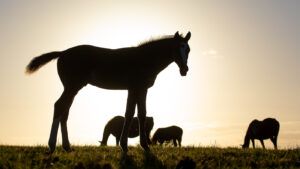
(94, 157)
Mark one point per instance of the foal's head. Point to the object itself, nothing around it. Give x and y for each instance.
(181, 52)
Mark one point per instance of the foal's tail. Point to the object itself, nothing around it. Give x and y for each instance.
(40, 61)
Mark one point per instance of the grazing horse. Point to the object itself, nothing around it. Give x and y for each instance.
(115, 125)
(261, 130)
(167, 134)
(132, 68)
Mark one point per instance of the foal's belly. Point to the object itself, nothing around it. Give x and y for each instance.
(110, 83)
(120, 81)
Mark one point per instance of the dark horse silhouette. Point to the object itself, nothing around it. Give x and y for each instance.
(133, 69)
(261, 130)
(115, 125)
(167, 134)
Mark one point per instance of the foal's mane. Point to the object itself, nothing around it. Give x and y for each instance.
(155, 39)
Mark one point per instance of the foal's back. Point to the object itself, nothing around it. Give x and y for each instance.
(101, 67)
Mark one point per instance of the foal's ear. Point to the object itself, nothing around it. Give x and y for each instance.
(176, 35)
(188, 36)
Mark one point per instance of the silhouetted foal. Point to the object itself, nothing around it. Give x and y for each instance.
(115, 125)
(133, 69)
(167, 134)
(261, 130)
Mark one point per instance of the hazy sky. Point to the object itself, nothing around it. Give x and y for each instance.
(244, 65)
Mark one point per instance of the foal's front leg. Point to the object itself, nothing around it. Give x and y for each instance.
(130, 108)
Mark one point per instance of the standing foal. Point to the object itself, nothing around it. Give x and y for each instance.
(133, 69)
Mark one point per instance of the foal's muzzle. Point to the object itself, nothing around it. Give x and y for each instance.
(183, 70)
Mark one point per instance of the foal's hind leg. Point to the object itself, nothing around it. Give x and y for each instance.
(61, 112)
(141, 104)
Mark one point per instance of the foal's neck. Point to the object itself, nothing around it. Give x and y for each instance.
(159, 54)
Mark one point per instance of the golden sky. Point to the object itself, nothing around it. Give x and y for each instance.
(244, 65)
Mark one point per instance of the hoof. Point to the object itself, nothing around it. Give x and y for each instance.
(144, 145)
(124, 149)
(52, 146)
(50, 150)
(146, 148)
(68, 149)
(124, 146)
